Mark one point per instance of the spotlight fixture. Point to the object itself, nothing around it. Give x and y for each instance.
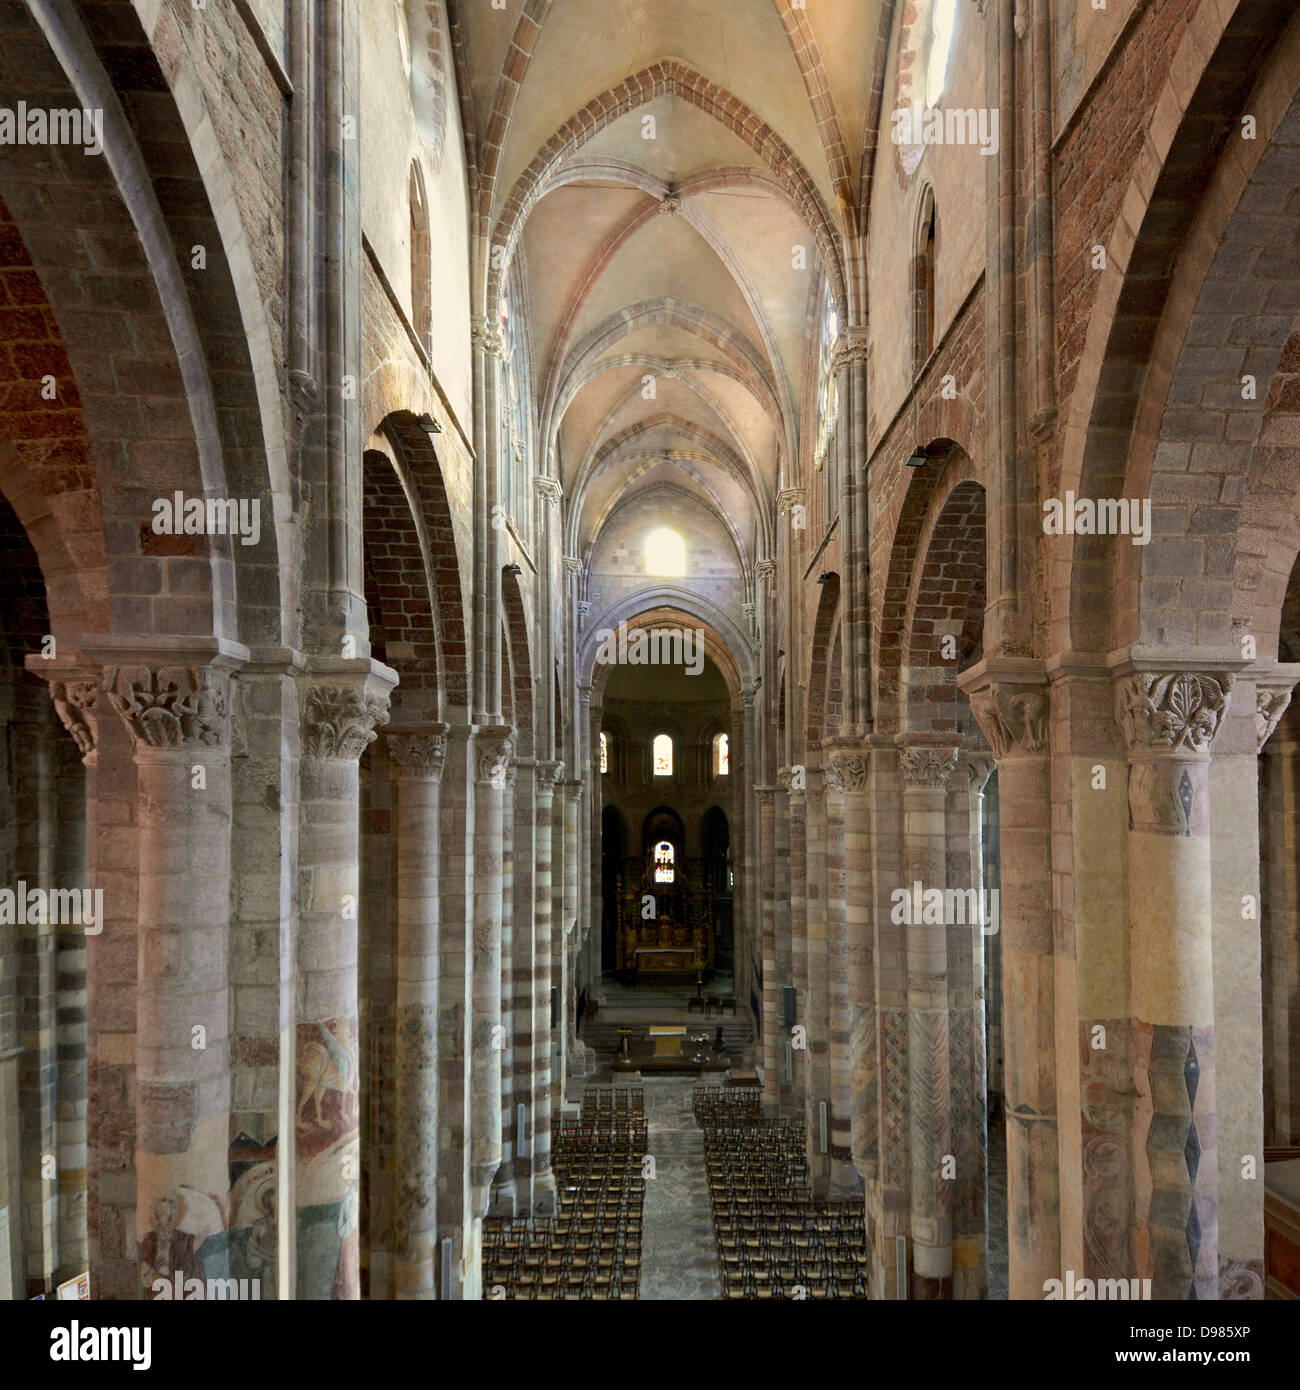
(513, 568)
(919, 458)
(824, 577)
(428, 424)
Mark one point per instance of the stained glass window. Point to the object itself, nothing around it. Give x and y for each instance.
(663, 755)
(664, 860)
(721, 756)
(604, 753)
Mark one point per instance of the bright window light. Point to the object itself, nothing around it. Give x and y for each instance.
(721, 756)
(665, 553)
(663, 755)
(943, 18)
(604, 753)
(664, 857)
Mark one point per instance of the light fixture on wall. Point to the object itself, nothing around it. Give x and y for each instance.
(919, 458)
(824, 577)
(428, 424)
(512, 568)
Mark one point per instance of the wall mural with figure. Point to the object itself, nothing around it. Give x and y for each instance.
(328, 1152)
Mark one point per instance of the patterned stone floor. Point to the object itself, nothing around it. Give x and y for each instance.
(679, 1258)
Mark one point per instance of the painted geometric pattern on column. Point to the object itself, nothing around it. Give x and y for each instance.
(893, 1118)
(1106, 1106)
(1181, 1226)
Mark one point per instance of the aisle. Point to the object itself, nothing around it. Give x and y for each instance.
(679, 1258)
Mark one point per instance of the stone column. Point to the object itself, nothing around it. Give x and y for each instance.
(1169, 719)
(36, 1216)
(1012, 709)
(844, 1180)
(460, 1270)
(417, 756)
(1254, 709)
(966, 1029)
(925, 772)
(492, 751)
(178, 717)
(340, 708)
(849, 765)
(505, 1193)
(773, 1023)
(740, 935)
(570, 937)
(796, 788)
(785, 974)
(1280, 776)
(549, 776)
(817, 1010)
(523, 948)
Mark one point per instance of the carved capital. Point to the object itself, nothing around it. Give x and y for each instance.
(1012, 717)
(765, 569)
(486, 336)
(548, 489)
(851, 770)
(927, 767)
(979, 768)
(338, 721)
(171, 706)
(850, 350)
(831, 776)
(1175, 711)
(789, 497)
(766, 796)
(419, 754)
(1271, 702)
(572, 565)
(494, 749)
(584, 607)
(75, 704)
(573, 790)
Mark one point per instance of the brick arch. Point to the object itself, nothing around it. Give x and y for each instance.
(420, 471)
(808, 56)
(669, 77)
(403, 630)
(24, 607)
(948, 597)
(919, 501)
(520, 667)
(1160, 249)
(47, 473)
(142, 332)
(825, 624)
(1267, 591)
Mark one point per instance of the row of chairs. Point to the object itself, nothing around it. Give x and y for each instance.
(776, 1239)
(717, 1106)
(591, 1248)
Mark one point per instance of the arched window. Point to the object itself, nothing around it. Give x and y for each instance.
(512, 405)
(826, 458)
(721, 755)
(604, 752)
(923, 283)
(943, 20)
(665, 859)
(421, 261)
(665, 553)
(663, 756)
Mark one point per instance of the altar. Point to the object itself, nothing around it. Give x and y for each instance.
(659, 962)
